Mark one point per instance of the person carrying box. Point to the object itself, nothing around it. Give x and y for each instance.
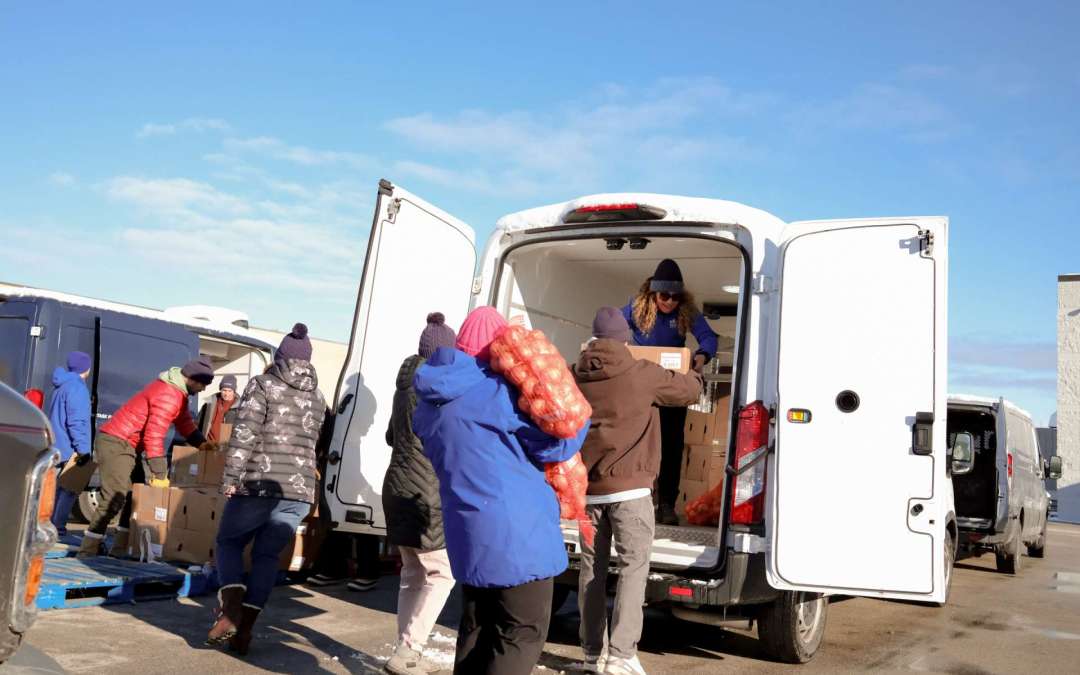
(69, 415)
(622, 455)
(140, 426)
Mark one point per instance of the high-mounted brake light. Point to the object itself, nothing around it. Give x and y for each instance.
(613, 212)
(35, 396)
(751, 446)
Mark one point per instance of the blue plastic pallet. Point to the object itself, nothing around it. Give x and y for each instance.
(84, 582)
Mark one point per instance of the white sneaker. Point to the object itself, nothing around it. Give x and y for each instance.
(593, 663)
(617, 666)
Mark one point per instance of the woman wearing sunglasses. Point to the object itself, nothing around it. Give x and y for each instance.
(661, 315)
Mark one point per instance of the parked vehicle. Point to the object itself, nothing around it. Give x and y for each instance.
(1001, 504)
(129, 345)
(27, 489)
(842, 321)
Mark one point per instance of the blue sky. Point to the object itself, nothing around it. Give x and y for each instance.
(229, 154)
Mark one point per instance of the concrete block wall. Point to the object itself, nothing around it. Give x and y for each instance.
(1068, 396)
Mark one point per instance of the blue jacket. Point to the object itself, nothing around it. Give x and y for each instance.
(69, 413)
(666, 332)
(500, 516)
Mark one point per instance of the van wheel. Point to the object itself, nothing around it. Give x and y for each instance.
(85, 506)
(792, 627)
(1038, 549)
(1009, 557)
(950, 563)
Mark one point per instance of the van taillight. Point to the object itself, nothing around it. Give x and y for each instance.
(1008, 464)
(751, 446)
(613, 212)
(35, 396)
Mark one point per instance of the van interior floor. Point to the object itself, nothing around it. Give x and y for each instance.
(692, 535)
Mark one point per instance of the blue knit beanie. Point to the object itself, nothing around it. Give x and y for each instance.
(79, 362)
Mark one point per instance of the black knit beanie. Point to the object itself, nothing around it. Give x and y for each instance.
(436, 334)
(295, 345)
(667, 278)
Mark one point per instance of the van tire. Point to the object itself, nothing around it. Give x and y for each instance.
(1038, 549)
(792, 627)
(1009, 556)
(950, 563)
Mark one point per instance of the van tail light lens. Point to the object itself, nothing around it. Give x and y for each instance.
(37, 536)
(751, 447)
(35, 396)
(1008, 464)
(595, 213)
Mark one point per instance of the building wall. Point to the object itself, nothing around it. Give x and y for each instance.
(1068, 396)
(327, 356)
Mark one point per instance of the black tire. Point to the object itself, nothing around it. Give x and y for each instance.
(792, 627)
(1038, 549)
(1009, 557)
(950, 563)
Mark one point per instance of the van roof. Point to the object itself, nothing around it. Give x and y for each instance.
(679, 209)
(971, 399)
(200, 326)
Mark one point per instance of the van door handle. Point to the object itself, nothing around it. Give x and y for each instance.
(922, 434)
(344, 404)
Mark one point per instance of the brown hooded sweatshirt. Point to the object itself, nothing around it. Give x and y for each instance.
(622, 449)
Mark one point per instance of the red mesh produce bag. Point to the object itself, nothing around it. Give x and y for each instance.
(549, 394)
(705, 510)
(570, 481)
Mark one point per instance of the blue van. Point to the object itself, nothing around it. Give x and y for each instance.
(129, 348)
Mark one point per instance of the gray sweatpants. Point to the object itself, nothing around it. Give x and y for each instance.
(631, 524)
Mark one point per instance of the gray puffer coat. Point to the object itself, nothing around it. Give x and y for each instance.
(410, 489)
(272, 449)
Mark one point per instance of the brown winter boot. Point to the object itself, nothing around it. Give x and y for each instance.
(231, 599)
(119, 548)
(90, 546)
(242, 640)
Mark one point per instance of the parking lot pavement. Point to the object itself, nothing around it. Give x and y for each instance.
(994, 623)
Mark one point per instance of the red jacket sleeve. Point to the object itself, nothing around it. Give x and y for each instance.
(167, 405)
(184, 424)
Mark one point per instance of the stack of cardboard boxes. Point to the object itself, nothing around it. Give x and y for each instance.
(705, 453)
(180, 523)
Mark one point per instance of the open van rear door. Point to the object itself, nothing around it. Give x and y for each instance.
(419, 260)
(857, 505)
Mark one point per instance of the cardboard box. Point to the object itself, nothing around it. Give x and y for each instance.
(301, 554)
(707, 428)
(195, 508)
(672, 358)
(149, 520)
(704, 463)
(224, 434)
(190, 546)
(193, 467)
(185, 465)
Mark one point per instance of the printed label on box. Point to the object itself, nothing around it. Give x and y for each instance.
(671, 360)
(155, 549)
(193, 469)
(161, 514)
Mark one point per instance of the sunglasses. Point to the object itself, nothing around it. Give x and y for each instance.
(667, 297)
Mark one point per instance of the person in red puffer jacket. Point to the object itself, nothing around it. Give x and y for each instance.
(140, 426)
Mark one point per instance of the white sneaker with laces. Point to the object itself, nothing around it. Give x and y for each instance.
(593, 663)
(617, 666)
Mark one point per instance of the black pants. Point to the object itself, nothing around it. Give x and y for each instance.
(345, 554)
(503, 630)
(672, 427)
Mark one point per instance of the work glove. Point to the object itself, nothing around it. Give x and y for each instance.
(159, 482)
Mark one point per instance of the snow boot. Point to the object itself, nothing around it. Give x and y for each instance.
(230, 614)
(119, 548)
(91, 545)
(242, 640)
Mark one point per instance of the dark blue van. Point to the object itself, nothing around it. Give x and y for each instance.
(129, 349)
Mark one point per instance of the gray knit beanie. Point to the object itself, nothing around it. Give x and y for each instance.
(436, 334)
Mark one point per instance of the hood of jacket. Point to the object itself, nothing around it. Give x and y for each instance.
(603, 359)
(407, 372)
(296, 373)
(447, 376)
(62, 376)
(174, 377)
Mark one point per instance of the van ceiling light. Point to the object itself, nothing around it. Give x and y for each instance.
(734, 290)
(612, 212)
(638, 243)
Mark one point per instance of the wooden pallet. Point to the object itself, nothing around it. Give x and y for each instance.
(82, 582)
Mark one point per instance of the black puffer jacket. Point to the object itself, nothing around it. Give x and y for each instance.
(410, 488)
(272, 449)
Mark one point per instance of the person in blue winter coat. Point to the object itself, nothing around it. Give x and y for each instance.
(69, 416)
(661, 315)
(500, 517)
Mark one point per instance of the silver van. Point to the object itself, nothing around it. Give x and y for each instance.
(1001, 501)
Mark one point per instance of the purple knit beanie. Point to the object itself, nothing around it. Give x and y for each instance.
(436, 334)
(79, 362)
(295, 345)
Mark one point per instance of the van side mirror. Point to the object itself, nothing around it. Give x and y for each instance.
(1053, 467)
(963, 453)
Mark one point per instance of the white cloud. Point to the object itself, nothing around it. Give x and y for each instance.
(275, 148)
(62, 179)
(174, 196)
(196, 124)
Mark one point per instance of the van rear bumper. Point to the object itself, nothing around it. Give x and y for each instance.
(743, 583)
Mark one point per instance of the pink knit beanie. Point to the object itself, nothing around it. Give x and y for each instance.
(478, 331)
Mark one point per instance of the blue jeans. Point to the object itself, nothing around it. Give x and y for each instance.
(272, 524)
(62, 505)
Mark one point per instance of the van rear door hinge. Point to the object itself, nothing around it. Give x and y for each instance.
(761, 284)
(392, 209)
(926, 243)
(477, 284)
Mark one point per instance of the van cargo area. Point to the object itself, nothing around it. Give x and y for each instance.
(557, 286)
(976, 492)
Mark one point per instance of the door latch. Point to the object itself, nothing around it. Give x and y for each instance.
(922, 434)
(761, 284)
(926, 243)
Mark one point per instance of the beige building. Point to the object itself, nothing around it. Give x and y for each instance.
(327, 356)
(1068, 396)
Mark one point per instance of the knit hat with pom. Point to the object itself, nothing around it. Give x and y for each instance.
(478, 331)
(295, 345)
(436, 334)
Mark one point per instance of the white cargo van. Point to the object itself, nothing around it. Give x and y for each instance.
(841, 321)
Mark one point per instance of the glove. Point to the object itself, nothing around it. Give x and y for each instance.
(699, 362)
(162, 482)
(210, 446)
